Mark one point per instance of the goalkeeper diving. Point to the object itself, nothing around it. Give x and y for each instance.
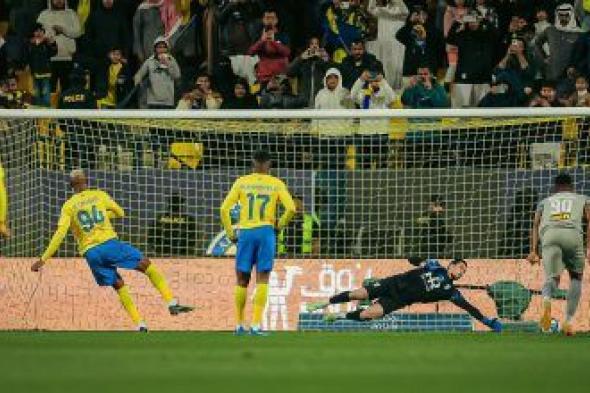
(89, 212)
(427, 283)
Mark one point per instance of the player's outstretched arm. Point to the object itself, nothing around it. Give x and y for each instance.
(4, 231)
(587, 214)
(114, 210)
(58, 237)
(230, 200)
(290, 208)
(533, 257)
(459, 301)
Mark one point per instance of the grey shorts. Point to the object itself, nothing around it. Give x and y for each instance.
(562, 248)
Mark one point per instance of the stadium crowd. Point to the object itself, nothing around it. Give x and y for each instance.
(287, 54)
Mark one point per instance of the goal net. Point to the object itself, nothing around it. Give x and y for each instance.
(373, 189)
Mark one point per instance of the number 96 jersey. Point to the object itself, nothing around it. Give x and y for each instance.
(87, 213)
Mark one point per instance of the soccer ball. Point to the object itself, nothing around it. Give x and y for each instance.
(554, 327)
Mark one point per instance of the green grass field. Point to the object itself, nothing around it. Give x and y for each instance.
(292, 362)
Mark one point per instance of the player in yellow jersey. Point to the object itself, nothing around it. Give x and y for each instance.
(258, 195)
(4, 231)
(89, 212)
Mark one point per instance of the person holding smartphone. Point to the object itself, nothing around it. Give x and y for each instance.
(476, 42)
(310, 68)
(517, 62)
(271, 48)
(424, 91)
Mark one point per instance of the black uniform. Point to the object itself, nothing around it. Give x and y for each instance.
(80, 134)
(427, 284)
(174, 233)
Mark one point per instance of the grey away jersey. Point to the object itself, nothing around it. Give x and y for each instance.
(562, 210)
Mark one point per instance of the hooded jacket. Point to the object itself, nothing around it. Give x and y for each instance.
(160, 79)
(68, 20)
(339, 98)
(332, 99)
(310, 73)
(561, 40)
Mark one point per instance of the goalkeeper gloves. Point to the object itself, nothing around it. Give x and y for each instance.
(493, 324)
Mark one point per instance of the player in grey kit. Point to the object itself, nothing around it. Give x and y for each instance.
(558, 224)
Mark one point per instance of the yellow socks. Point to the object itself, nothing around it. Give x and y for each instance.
(240, 294)
(259, 303)
(159, 282)
(129, 305)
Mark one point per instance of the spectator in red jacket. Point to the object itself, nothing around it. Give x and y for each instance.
(271, 48)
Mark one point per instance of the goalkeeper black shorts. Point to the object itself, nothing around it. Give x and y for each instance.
(385, 292)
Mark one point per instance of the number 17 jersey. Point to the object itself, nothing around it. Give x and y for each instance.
(258, 195)
(562, 210)
(86, 213)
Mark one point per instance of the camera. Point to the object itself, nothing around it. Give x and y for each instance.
(469, 18)
(501, 88)
(238, 16)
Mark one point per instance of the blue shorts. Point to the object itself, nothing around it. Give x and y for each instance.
(256, 246)
(105, 258)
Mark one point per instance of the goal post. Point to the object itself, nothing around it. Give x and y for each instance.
(373, 186)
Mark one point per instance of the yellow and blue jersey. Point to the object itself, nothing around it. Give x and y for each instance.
(88, 214)
(258, 195)
(3, 197)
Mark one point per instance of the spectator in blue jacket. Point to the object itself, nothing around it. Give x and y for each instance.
(425, 92)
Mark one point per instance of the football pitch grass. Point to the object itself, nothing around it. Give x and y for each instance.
(167, 362)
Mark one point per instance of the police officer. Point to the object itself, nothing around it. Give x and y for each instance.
(300, 237)
(174, 232)
(80, 135)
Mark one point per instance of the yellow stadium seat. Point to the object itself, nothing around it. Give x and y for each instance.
(185, 154)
